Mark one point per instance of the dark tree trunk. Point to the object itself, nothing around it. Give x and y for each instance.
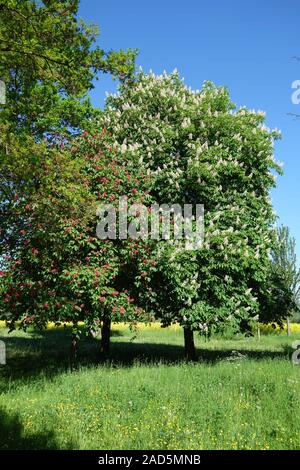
(189, 345)
(73, 353)
(105, 335)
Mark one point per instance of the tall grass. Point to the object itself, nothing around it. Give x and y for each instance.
(241, 394)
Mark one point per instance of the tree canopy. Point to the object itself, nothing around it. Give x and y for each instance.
(156, 142)
(60, 270)
(48, 61)
(281, 299)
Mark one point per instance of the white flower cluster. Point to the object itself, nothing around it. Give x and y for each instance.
(193, 143)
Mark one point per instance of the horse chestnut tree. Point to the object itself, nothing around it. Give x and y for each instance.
(197, 147)
(59, 269)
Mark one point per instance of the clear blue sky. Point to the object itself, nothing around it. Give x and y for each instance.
(246, 45)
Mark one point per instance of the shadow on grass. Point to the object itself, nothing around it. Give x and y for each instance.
(12, 436)
(46, 354)
(43, 353)
(127, 354)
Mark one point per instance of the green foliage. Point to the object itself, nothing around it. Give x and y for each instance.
(285, 261)
(282, 289)
(48, 60)
(59, 269)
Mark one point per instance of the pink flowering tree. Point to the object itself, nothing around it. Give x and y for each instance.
(59, 269)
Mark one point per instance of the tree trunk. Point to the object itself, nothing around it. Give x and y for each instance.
(288, 326)
(105, 335)
(73, 353)
(189, 345)
(258, 330)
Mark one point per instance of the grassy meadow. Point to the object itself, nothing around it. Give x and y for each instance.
(243, 393)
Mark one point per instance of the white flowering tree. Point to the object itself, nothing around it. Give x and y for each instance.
(198, 148)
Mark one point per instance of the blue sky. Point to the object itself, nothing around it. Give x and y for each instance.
(247, 46)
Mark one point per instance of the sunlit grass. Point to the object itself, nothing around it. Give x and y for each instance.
(243, 393)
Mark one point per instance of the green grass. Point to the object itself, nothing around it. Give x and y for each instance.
(144, 396)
